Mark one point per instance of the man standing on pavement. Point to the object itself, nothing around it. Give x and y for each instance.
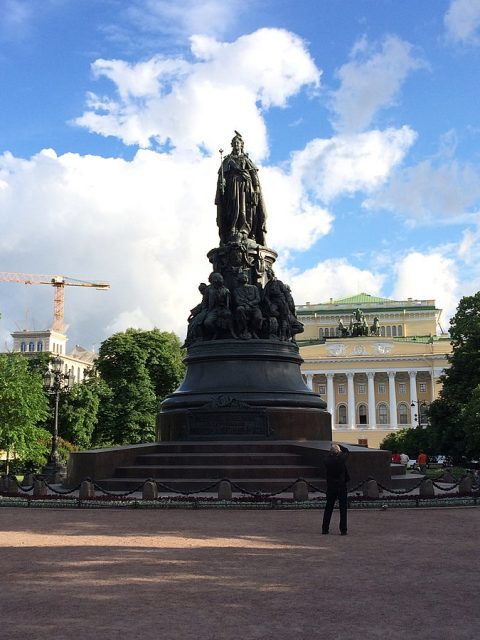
(337, 479)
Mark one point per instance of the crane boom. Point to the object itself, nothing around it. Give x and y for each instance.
(59, 283)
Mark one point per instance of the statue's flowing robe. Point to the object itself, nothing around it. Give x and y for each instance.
(240, 208)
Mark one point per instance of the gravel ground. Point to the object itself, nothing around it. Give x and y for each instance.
(226, 574)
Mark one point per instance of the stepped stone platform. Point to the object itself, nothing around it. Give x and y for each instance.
(266, 466)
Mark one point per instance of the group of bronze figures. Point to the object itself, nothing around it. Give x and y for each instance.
(247, 312)
(358, 326)
(244, 299)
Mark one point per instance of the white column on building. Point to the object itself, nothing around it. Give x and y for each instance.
(436, 373)
(309, 377)
(352, 419)
(372, 420)
(330, 397)
(414, 399)
(434, 382)
(393, 399)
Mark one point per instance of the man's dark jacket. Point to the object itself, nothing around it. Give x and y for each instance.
(337, 473)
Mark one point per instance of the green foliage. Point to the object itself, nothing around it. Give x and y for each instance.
(140, 368)
(410, 441)
(38, 362)
(451, 415)
(471, 421)
(78, 414)
(23, 408)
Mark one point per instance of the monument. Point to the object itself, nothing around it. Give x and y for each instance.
(243, 411)
(243, 377)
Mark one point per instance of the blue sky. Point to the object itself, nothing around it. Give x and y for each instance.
(361, 114)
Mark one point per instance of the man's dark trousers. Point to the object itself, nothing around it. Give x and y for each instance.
(334, 493)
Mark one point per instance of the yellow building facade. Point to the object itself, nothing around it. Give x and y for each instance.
(376, 383)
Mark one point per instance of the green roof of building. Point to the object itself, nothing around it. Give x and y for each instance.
(370, 304)
(361, 298)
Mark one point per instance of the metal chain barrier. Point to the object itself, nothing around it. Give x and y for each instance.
(400, 492)
(123, 494)
(257, 495)
(314, 488)
(61, 492)
(188, 493)
(440, 488)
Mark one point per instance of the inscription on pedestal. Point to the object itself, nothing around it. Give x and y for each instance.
(227, 424)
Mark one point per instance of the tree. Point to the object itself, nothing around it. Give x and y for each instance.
(140, 368)
(23, 408)
(409, 441)
(78, 415)
(451, 412)
(471, 421)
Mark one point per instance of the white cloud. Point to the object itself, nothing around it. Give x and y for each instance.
(469, 246)
(293, 210)
(439, 281)
(371, 81)
(145, 226)
(140, 80)
(429, 194)
(334, 278)
(184, 17)
(345, 164)
(136, 224)
(134, 318)
(462, 21)
(468, 252)
(197, 105)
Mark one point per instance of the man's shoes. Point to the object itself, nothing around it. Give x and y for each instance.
(324, 533)
(343, 533)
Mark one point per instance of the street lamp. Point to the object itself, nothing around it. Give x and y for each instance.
(421, 408)
(56, 382)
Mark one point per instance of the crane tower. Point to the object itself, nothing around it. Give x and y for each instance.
(58, 283)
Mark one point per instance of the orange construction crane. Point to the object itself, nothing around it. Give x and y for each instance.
(59, 283)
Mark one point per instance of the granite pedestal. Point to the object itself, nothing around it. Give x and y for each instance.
(237, 389)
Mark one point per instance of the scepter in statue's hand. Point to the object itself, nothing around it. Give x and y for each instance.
(222, 183)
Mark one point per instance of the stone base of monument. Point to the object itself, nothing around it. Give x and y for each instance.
(236, 390)
(267, 466)
(243, 412)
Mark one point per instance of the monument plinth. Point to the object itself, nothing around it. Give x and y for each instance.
(243, 377)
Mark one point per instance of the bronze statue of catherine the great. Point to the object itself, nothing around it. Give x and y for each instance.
(241, 214)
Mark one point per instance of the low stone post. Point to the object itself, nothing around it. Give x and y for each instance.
(28, 480)
(11, 485)
(466, 484)
(39, 488)
(150, 490)
(448, 476)
(426, 489)
(224, 490)
(87, 490)
(300, 491)
(370, 489)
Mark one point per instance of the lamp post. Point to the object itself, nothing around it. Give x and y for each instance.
(421, 407)
(56, 382)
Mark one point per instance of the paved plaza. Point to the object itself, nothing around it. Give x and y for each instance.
(238, 574)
